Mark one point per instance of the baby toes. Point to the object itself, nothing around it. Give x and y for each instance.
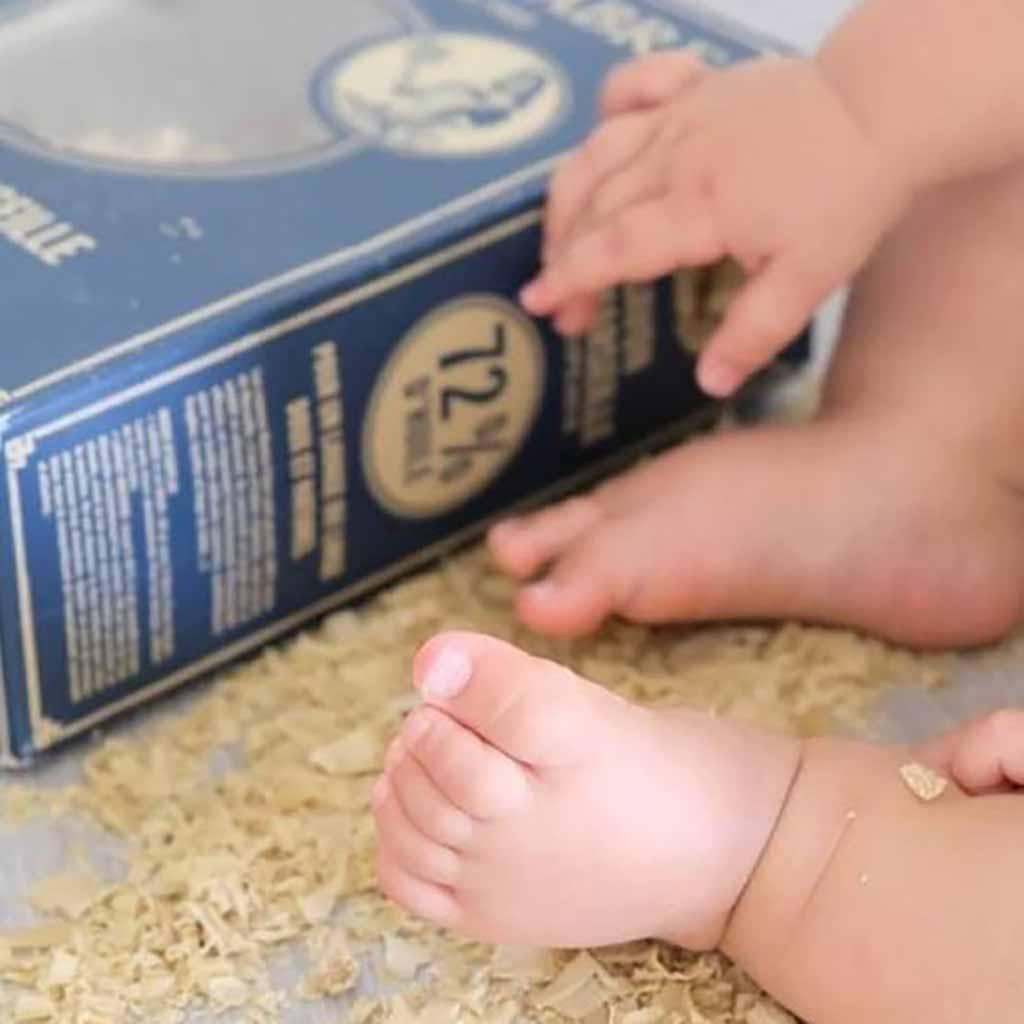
(426, 807)
(414, 852)
(522, 546)
(596, 576)
(472, 774)
(535, 713)
(987, 756)
(423, 899)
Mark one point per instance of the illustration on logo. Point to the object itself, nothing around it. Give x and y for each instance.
(446, 94)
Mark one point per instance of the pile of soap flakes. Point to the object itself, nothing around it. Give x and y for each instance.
(245, 833)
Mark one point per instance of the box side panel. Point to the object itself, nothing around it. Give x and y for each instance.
(181, 517)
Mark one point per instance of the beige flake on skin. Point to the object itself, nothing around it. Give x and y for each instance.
(923, 782)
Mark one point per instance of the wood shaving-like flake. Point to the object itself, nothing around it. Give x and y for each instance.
(359, 752)
(69, 895)
(522, 963)
(62, 970)
(923, 782)
(225, 868)
(581, 988)
(403, 959)
(32, 1006)
(41, 937)
(764, 1012)
(228, 992)
(336, 969)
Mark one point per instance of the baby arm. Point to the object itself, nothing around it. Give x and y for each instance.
(937, 84)
(794, 168)
(870, 904)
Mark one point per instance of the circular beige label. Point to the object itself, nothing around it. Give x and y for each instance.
(446, 94)
(452, 406)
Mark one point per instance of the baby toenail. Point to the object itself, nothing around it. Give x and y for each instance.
(447, 675)
(381, 791)
(415, 728)
(718, 378)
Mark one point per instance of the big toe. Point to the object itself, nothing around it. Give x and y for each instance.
(522, 546)
(532, 710)
(601, 573)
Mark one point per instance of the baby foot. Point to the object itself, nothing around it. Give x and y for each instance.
(898, 510)
(525, 805)
(845, 523)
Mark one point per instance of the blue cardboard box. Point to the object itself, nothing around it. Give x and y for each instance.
(259, 346)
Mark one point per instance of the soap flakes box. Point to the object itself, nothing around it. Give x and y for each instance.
(261, 351)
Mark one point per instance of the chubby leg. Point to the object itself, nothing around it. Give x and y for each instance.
(870, 903)
(897, 510)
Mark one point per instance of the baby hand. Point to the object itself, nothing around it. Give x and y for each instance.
(762, 162)
(983, 756)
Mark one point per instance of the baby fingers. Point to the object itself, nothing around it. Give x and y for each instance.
(646, 240)
(650, 81)
(769, 312)
(613, 146)
(985, 756)
(643, 180)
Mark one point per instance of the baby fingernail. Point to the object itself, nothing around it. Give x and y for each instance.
(381, 791)
(536, 296)
(718, 378)
(447, 674)
(530, 295)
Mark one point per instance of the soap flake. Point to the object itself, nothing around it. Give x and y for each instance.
(925, 783)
